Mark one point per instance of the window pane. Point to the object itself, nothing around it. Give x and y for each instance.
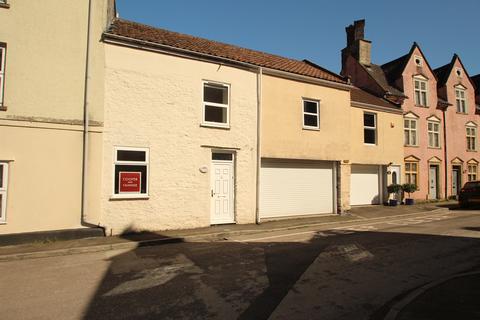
(222, 156)
(368, 120)
(437, 140)
(430, 140)
(424, 98)
(310, 107)
(423, 85)
(215, 114)
(407, 137)
(414, 138)
(413, 124)
(430, 126)
(129, 155)
(1, 58)
(414, 166)
(417, 85)
(417, 98)
(310, 120)
(1, 175)
(406, 124)
(215, 94)
(369, 136)
(125, 168)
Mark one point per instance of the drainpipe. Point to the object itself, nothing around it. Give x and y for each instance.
(259, 154)
(86, 112)
(445, 152)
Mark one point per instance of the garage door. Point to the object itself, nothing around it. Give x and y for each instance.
(364, 185)
(293, 188)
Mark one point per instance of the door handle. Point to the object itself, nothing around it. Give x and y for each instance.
(211, 192)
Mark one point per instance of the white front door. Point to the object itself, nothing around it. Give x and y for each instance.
(433, 182)
(222, 185)
(395, 172)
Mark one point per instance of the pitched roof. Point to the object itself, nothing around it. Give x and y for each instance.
(444, 72)
(359, 95)
(175, 40)
(476, 81)
(377, 73)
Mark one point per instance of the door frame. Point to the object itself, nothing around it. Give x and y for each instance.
(437, 180)
(398, 170)
(232, 186)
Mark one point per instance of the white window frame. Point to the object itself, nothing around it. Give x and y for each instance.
(3, 51)
(471, 138)
(459, 98)
(4, 193)
(145, 163)
(409, 172)
(410, 130)
(317, 114)
(221, 105)
(472, 170)
(420, 61)
(374, 128)
(431, 125)
(420, 101)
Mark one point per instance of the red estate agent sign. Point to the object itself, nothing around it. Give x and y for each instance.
(129, 182)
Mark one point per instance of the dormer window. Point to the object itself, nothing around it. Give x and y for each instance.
(420, 88)
(460, 100)
(458, 72)
(418, 61)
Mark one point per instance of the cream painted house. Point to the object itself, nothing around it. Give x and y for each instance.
(43, 50)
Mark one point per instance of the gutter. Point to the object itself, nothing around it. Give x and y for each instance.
(86, 112)
(445, 151)
(259, 136)
(374, 107)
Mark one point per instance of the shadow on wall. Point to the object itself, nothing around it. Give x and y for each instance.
(236, 280)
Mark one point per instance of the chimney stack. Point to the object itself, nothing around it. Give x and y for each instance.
(357, 46)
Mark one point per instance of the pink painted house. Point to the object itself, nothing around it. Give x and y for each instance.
(434, 158)
(462, 149)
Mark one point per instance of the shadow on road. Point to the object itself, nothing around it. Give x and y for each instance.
(334, 275)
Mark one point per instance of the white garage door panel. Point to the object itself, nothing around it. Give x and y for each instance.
(364, 185)
(294, 189)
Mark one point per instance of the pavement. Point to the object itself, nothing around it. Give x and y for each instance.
(212, 233)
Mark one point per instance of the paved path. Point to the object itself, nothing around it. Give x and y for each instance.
(340, 271)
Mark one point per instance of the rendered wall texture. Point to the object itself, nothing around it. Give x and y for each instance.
(154, 100)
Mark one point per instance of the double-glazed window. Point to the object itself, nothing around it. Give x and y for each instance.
(369, 128)
(216, 104)
(411, 172)
(420, 92)
(472, 172)
(3, 52)
(460, 100)
(3, 191)
(433, 134)
(410, 132)
(471, 138)
(130, 172)
(311, 114)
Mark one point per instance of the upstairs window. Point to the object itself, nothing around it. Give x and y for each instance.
(131, 172)
(433, 134)
(420, 92)
(3, 52)
(369, 128)
(216, 109)
(460, 100)
(311, 114)
(3, 191)
(471, 138)
(410, 132)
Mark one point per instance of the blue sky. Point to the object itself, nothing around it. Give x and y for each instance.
(315, 30)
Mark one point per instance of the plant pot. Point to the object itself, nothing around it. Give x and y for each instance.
(393, 202)
(409, 202)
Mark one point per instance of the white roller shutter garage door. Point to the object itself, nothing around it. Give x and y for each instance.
(295, 188)
(364, 185)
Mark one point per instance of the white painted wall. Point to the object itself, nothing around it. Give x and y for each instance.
(155, 100)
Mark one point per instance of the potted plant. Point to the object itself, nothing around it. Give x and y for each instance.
(409, 188)
(393, 189)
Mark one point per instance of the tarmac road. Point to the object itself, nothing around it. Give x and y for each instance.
(353, 270)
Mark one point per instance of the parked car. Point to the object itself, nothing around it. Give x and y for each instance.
(470, 194)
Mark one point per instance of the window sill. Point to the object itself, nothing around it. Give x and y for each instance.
(3, 222)
(436, 148)
(464, 113)
(471, 150)
(5, 5)
(129, 197)
(370, 144)
(411, 146)
(311, 128)
(420, 106)
(3, 108)
(215, 126)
